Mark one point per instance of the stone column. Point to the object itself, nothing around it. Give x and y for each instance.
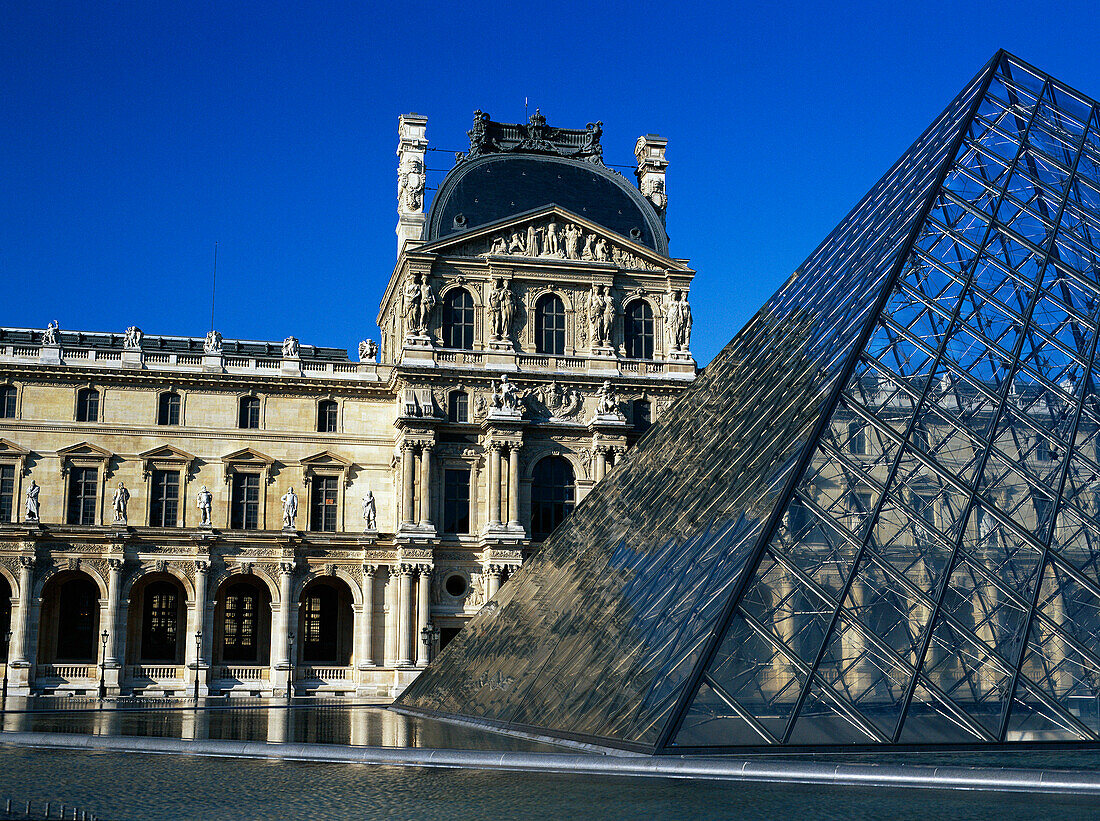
(392, 621)
(423, 603)
(494, 484)
(784, 628)
(601, 463)
(365, 634)
(280, 635)
(426, 485)
(492, 580)
(404, 612)
(196, 650)
(407, 483)
(513, 486)
(18, 651)
(114, 584)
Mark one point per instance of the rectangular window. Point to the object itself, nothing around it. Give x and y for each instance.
(168, 409)
(859, 505)
(7, 492)
(244, 507)
(82, 495)
(1043, 452)
(7, 401)
(857, 438)
(459, 410)
(322, 503)
(456, 500)
(926, 508)
(164, 503)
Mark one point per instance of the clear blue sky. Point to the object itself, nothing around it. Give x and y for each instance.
(134, 135)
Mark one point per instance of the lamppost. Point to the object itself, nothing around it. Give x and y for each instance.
(198, 661)
(290, 664)
(430, 634)
(7, 660)
(103, 666)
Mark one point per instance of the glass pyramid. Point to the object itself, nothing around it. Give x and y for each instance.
(874, 518)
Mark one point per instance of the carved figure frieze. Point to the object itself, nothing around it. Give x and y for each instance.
(410, 184)
(558, 402)
(368, 350)
(505, 396)
(291, 347)
(534, 137)
(212, 343)
(132, 340)
(550, 239)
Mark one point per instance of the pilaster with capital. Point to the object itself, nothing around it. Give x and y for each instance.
(17, 653)
(423, 603)
(405, 573)
(364, 630)
(281, 651)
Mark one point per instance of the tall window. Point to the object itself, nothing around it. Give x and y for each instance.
(857, 438)
(159, 623)
(643, 415)
(240, 625)
(7, 492)
(165, 499)
(458, 407)
(458, 319)
(638, 332)
(76, 620)
(248, 412)
(552, 495)
(550, 325)
(244, 506)
(82, 495)
(319, 623)
(327, 416)
(168, 408)
(87, 405)
(7, 401)
(322, 503)
(456, 500)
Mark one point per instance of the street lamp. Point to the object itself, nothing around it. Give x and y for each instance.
(103, 666)
(430, 634)
(290, 664)
(198, 660)
(7, 661)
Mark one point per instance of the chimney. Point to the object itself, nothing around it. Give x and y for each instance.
(650, 151)
(411, 176)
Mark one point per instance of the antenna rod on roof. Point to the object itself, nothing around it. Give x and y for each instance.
(525, 117)
(213, 285)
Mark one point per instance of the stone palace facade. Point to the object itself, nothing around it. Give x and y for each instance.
(189, 514)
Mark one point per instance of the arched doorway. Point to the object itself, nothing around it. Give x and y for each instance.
(69, 620)
(552, 495)
(325, 621)
(242, 622)
(5, 615)
(157, 621)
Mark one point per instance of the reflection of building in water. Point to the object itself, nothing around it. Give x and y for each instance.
(874, 520)
(337, 521)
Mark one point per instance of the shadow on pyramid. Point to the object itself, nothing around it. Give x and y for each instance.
(874, 518)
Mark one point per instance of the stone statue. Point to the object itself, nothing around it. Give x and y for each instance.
(120, 501)
(515, 243)
(410, 184)
(607, 321)
(677, 321)
(595, 317)
(134, 335)
(499, 246)
(49, 336)
(532, 249)
(204, 501)
(572, 241)
(370, 511)
(32, 501)
(502, 308)
(290, 509)
(505, 396)
(290, 346)
(588, 253)
(553, 240)
(606, 400)
(427, 302)
(600, 250)
(410, 304)
(212, 343)
(368, 350)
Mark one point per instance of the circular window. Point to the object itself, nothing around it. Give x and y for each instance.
(456, 585)
(460, 221)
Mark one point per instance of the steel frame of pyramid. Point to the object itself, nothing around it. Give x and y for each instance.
(875, 519)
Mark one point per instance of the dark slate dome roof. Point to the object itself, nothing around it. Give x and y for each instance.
(493, 187)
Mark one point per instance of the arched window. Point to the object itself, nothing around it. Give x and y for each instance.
(458, 319)
(159, 623)
(168, 408)
(458, 407)
(552, 495)
(87, 405)
(248, 412)
(240, 636)
(78, 606)
(327, 415)
(638, 330)
(7, 401)
(550, 325)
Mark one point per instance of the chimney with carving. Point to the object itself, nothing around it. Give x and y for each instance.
(650, 151)
(411, 176)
